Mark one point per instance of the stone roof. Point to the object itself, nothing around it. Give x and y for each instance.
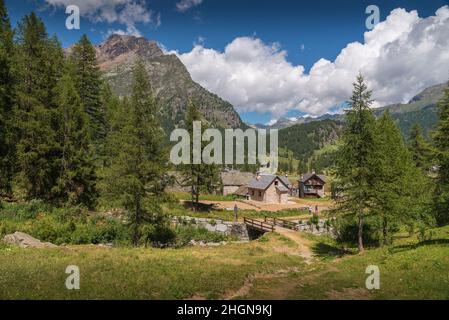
(266, 180)
(307, 176)
(241, 191)
(236, 178)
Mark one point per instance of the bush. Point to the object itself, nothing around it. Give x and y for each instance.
(187, 233)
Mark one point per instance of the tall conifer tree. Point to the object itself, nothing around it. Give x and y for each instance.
(356, 160)
(197, 176)
(400, 187)
(139, 161)
(76, 182)
(40, 64)
(7, 82)
(89, 85)
(441, 139)
(420, 149)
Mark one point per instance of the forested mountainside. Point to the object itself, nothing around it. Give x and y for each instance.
(304, 139)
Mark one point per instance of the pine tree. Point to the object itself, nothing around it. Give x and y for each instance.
(89, 85)
(197, 176)
(136, 176)
(40, 64)
(76, 182)
(356, 159)
(7, 82)
(420, 149)
(441, 138)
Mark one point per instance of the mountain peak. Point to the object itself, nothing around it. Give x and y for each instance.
(118, 48)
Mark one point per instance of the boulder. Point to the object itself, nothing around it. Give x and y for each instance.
(24, 240)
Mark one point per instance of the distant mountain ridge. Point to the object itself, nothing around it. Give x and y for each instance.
(421, 109)
(170, 80)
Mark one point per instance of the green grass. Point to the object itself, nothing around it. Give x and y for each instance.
(409, 269)
(137, 273)
(207, 197)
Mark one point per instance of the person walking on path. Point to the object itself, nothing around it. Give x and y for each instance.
(236, 211)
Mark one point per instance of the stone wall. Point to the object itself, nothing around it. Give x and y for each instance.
(238, 230)
(318, 229)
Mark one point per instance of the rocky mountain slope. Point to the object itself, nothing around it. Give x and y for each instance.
(169, 78)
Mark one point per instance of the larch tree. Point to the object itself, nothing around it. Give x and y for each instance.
(199, 177)
(441, 139)
(420, 149)
(400, 187)
(136, 176)
(357, 158)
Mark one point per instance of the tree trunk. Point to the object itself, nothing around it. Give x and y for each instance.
(360, 234)
(385, 230)
(136, 235)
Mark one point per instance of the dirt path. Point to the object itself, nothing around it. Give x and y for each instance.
(293, 203)
(303, 249)
(304, 245)
(249, 281)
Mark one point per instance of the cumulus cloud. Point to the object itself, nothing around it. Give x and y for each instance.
(399, 57)
(185, 5)
(128, 13)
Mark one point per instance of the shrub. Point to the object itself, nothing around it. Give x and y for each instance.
(187, 233)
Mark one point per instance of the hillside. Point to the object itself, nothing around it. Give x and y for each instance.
(421, 109)
(169, 78)
(304, 139)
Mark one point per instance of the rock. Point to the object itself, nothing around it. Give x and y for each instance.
(24, 240)
(106, 245)
(210, 227)
(212, 244)
(221, 228)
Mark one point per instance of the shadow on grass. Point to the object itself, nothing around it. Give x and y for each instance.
(201, 207)
(325, 250)
(405, 247)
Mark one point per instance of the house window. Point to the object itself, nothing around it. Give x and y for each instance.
(276, 183)
(260, 193)
(252, 192)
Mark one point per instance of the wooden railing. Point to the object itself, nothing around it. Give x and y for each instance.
(260, 225)
(281, 223)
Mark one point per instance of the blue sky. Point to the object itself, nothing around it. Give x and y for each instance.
(306, 31)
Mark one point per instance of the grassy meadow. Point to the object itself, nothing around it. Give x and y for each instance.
(267, 268)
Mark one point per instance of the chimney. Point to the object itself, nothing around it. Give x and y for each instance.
(258, 175)
(313, 171)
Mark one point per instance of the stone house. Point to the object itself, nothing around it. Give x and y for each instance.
(232, 180)
(311, 185)
(269, 188)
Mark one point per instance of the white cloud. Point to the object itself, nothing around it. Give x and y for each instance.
(185, 5)
(125, 12)
(399, 57)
